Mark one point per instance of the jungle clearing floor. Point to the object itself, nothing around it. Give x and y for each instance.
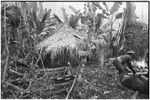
(99, 83)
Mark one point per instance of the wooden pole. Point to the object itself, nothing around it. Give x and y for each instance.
(6, 46)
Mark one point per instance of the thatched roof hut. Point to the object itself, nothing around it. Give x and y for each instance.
(63, 46)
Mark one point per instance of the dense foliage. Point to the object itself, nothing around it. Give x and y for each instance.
(26, 26)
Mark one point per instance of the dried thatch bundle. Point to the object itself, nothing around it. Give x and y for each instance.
(63, 46)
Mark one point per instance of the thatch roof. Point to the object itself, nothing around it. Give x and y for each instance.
(66, 41)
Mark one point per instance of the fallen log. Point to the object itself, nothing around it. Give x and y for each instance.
(51, 69)
(138, 73)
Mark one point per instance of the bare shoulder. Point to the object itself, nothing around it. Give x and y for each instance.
(123, 58)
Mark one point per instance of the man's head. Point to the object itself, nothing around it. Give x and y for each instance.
(131, 53)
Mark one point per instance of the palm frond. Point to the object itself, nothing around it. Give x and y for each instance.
(115, 7)
(130, 12)
(59, 20)
(74, 10)
(34, 6)
(98, 21)
(105, 26)
(106, 39)
(98, 6)
(34, 17)
(31, 23)
(65, 15)
(23, 8)
(41, 11)
(106, 6)
(94, 8)
(46, 16)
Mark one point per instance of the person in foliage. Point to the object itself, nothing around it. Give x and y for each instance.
(138, 83)
(146, 57)
(124, 59)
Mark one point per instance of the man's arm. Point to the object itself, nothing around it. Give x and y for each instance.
(131, 67)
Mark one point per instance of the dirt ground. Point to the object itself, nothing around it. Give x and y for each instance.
(99, 83)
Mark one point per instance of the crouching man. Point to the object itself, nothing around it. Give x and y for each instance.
(119, 61)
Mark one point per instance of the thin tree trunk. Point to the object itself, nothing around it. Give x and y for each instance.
(101, 58)
(122, 37)
(7, 50)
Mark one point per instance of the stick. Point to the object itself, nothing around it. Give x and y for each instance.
(16, 87)
(138, 73)
(15, 72)
(5, 68)
(25, 90)
(52, 69)
(7, 49)
(71, 87)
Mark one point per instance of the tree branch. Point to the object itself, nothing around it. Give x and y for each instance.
(71, 87)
